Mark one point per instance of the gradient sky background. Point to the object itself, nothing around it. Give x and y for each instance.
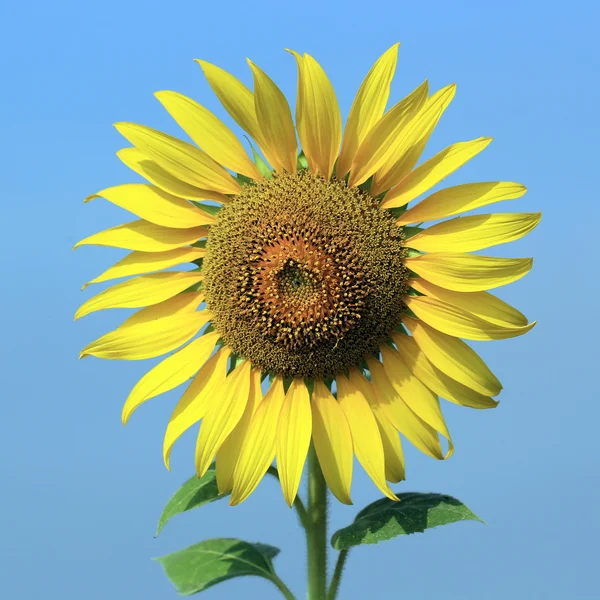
(81, 494)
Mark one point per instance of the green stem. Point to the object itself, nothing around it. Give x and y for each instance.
(316, 530)
(337, 574)
(284, 589)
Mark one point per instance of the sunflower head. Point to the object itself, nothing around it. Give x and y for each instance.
(316, 308)
(305, 277)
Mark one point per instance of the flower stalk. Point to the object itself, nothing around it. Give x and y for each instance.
(316, 530)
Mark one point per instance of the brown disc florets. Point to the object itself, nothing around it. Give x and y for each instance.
(304, 277)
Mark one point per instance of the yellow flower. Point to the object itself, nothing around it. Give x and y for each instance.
(312, 282)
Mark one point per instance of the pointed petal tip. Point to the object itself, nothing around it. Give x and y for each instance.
(345, 500)
(235, 500)
(392, 496)
(167, 457)
(90, 198)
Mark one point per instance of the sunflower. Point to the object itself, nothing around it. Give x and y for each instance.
(317, 308)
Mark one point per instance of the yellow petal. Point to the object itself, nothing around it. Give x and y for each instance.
(143, 165)
(235, 97)
(413, 428)
(169, 373)
(460, 198)
(467, 272)
(293, 438)
(228, 453)
(381, 141)
(468, 234)
(411, 141)
(419, 398)
(484, 305)
(141, 291)
(182, 160)
(435, 380)
(275, 120)
(196, 400)
(137, 263)
(433, 171)
(454, 358)
(206, 130)
(187, 302)
(147, 340)
(368, 107)
(258, 449)
(318, 116)
(224, 413)
(392, 447)
(152, 204)
(333, 442)
(455, 321)
(144, 236)
(368, 447)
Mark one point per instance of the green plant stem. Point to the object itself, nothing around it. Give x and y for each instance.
(316, 530)
(284, 589)
(337, 574)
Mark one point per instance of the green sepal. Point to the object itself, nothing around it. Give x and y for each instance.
(310, 386)
(192, 494)
(209, 562)
(366, 185)
(235, 360)
(411, 253)
(302, 162)
(287, 382)
(197, 287)
(399, 210)
(244, 180)
(410, 231)
(386, 519)
(211, 209)
(401, 329)
(261, 165)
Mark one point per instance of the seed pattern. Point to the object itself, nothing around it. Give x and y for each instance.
(304, 277)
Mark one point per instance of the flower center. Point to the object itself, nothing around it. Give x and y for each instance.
(304, 277)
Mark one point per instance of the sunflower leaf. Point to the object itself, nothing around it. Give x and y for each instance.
(386, 519)
(192, 494)
(203, 565)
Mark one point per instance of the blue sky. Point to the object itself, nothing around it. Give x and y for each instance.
(81, 494)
